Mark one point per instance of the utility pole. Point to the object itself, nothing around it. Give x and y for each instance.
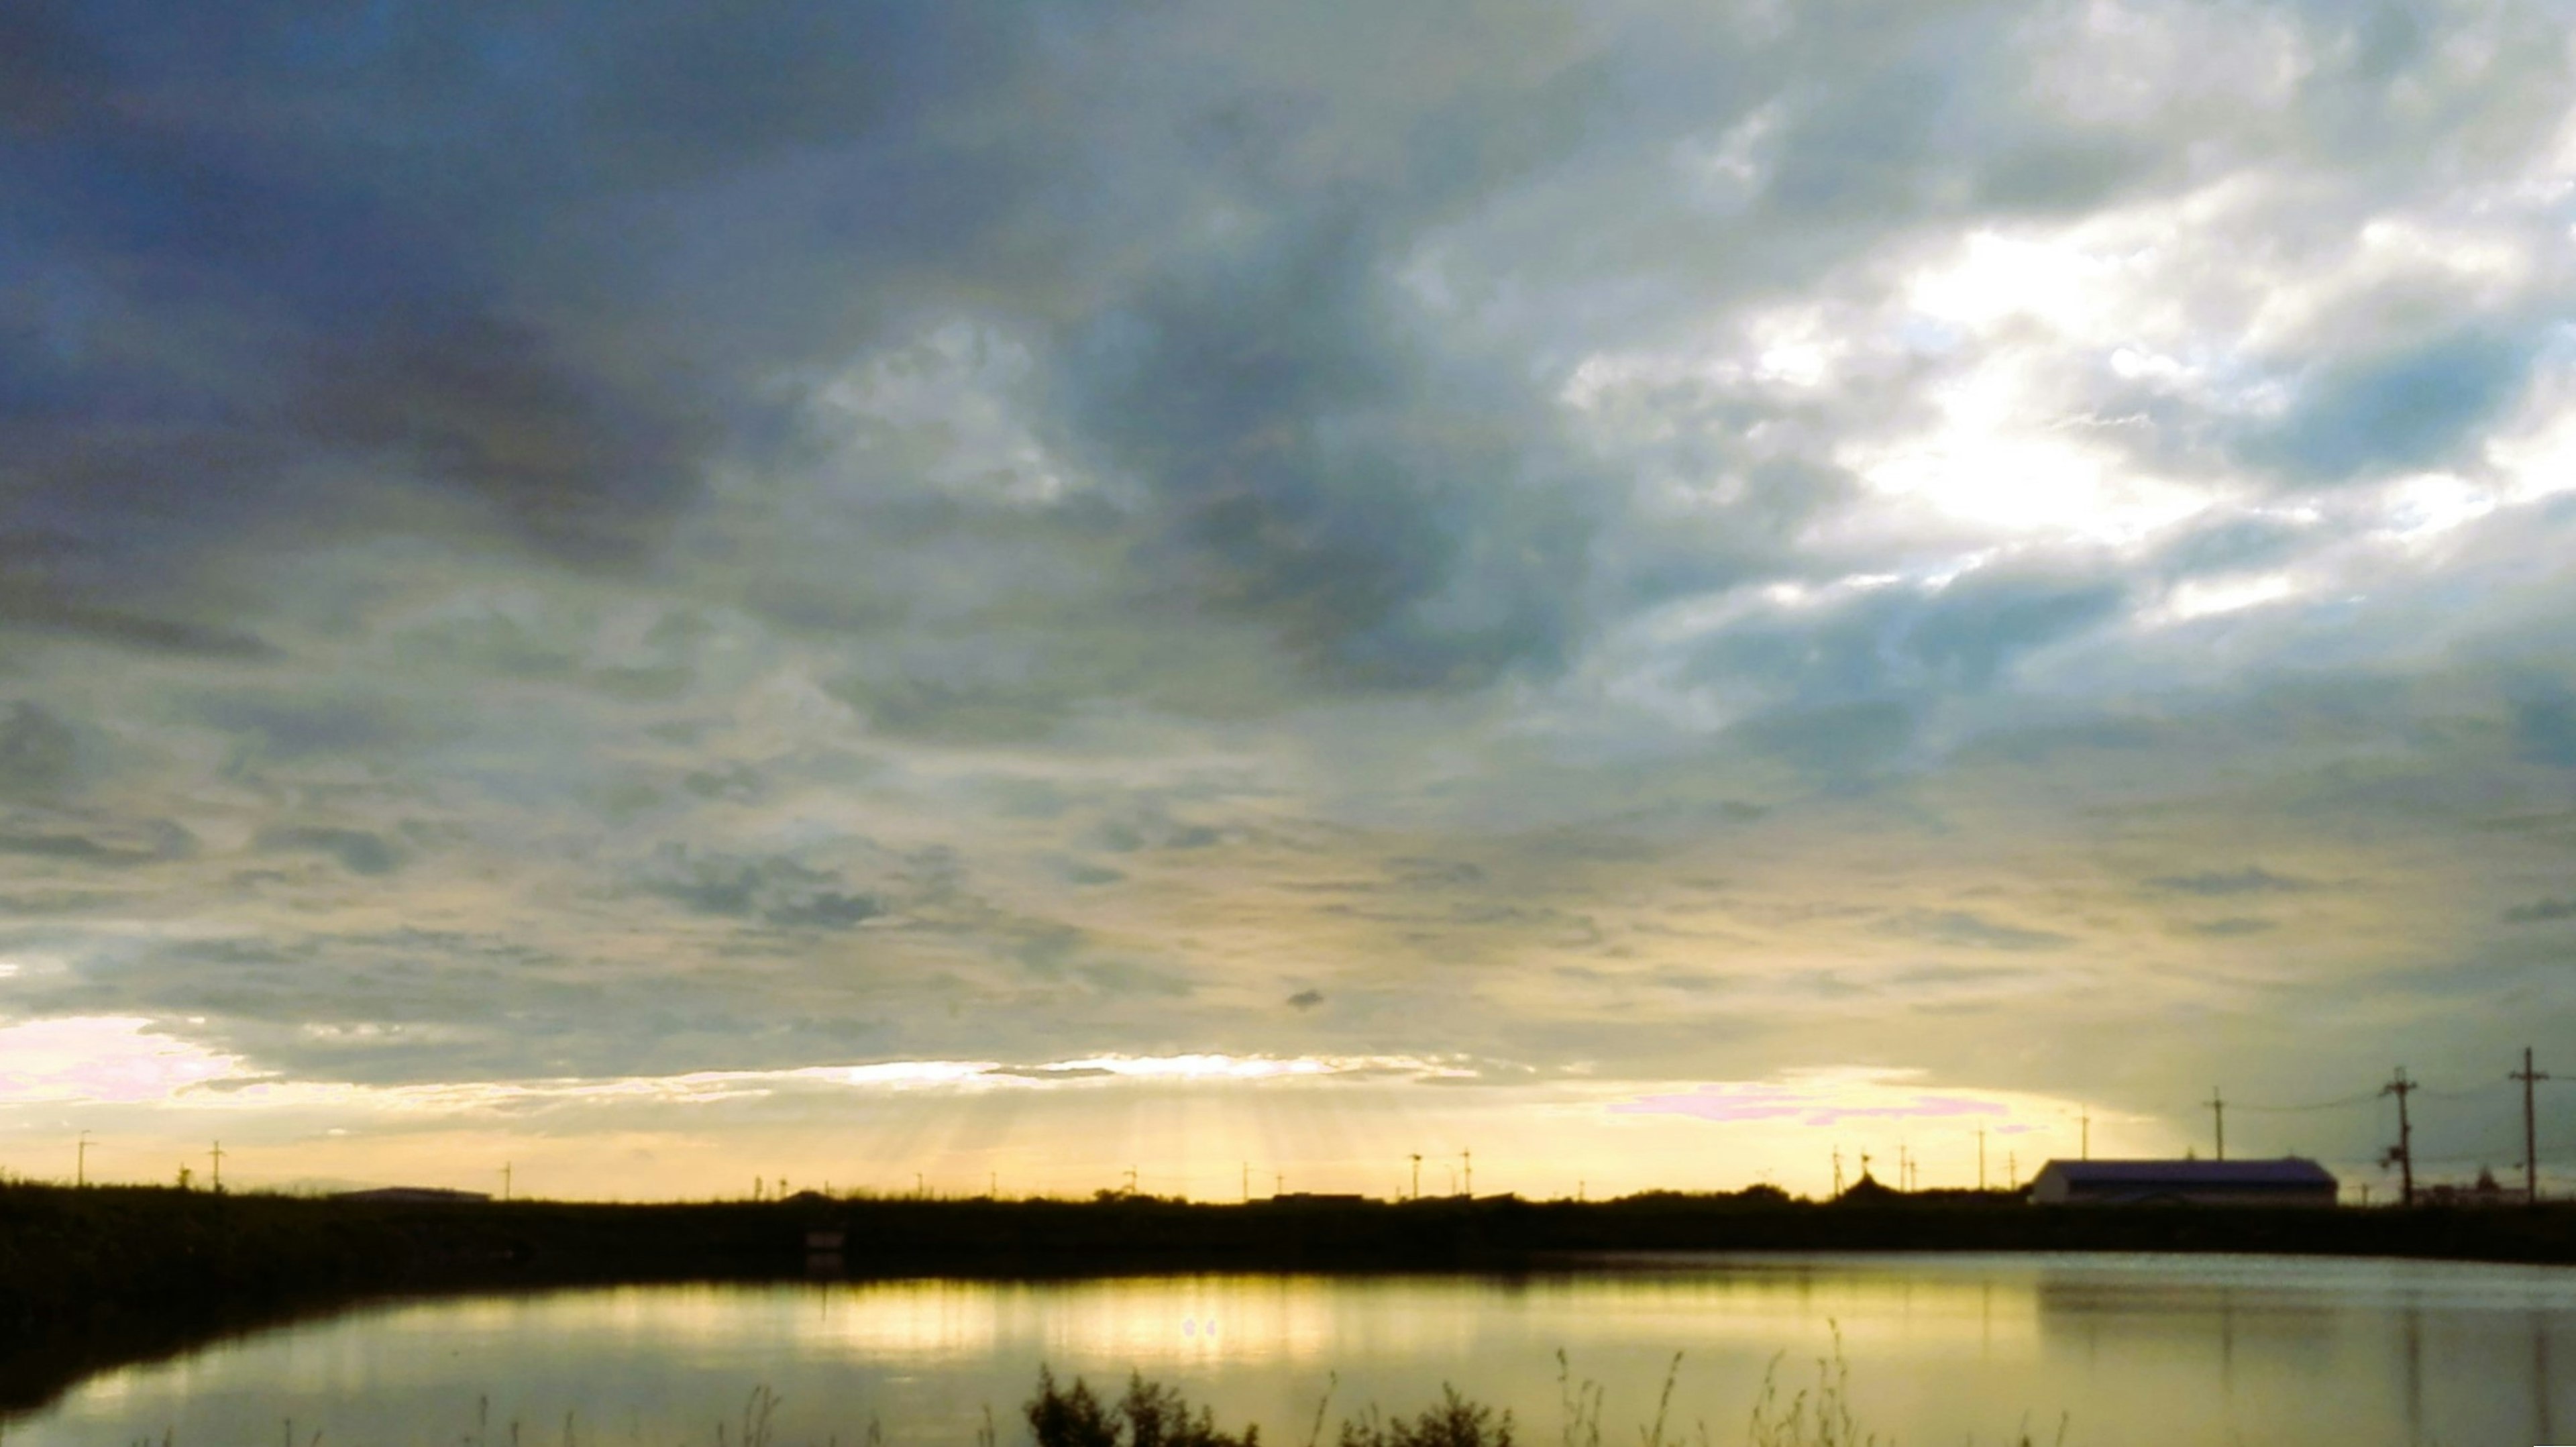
(505, 1180)
(1417, 1175)
(2402, 1154)
(80, 1161)
(1131, 1180)
(1904, 1167)
(1278, 1183)
(2085, 1121)
(2012, 1170)
(1247, 1183)
(1467, 1163)
(2530, 1131)
(1838, 1170)
(219, 1165)
(2218, 1109)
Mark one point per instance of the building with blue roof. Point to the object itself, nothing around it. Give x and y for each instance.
(2288, 1181)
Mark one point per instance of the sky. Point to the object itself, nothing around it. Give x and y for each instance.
(1615, 594)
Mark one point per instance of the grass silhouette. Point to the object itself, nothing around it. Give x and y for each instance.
(1152, 1414)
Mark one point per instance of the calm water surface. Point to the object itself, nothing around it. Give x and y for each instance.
(2126, 1349)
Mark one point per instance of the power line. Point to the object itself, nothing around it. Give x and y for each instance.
(2347, 1101)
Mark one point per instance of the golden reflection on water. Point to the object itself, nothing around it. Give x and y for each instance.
(2136, 1350)
(1159, 1321)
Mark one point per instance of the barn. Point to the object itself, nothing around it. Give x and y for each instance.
(2289, 1181)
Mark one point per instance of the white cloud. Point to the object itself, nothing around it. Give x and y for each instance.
(105, 1059)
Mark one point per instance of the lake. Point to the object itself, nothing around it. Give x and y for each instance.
(1939, 1349)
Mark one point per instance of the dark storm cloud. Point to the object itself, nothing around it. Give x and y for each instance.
(359, 851)
(2232, 543)
(1394, 521)
(1872, 659)
(1127, 977)
(2542, 911)
(113, 844)
(2418, 407)
(28, 608)
(2252, 879)
(253, 244)
(2234, 927)
(1978, 625)
(277, 253)
(1971, 930)
(2544, 722)
(39, 753)
(1840, 742)
(775, 890)
(418, 1005)
(285, 727)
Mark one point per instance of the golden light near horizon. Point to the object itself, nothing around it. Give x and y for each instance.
(987, 599)
(1208, 1128)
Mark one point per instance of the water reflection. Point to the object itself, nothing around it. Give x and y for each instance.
(2542, 1429)
(2134, 1349)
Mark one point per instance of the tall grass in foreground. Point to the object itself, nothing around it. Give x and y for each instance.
(1150, 1414)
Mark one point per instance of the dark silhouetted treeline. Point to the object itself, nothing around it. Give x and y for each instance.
(106, 1274)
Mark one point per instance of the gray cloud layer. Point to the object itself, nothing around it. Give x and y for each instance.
(578, 537)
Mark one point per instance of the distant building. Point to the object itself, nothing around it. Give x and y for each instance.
(2485, 1193)
(2288, 1181)
(414, 1196)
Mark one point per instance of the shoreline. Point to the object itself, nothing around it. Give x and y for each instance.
(97, 1277)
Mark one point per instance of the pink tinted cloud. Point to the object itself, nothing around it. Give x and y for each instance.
(102, 1060)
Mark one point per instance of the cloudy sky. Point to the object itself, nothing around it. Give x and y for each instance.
(995, 594)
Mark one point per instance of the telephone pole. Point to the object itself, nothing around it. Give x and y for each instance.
(2402, 1154)
(2218, 1110)
(1904, 1168)
(2530, 1131)
(1838, 1170)
(1467, 1165)
(80, 1161)
(505, 1180)
(1417, 1175)
(1247, 1183)
(2085, 1122)
(218, 1154)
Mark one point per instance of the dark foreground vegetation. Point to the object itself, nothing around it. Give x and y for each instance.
(89, 1278)
(1150, 1414)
